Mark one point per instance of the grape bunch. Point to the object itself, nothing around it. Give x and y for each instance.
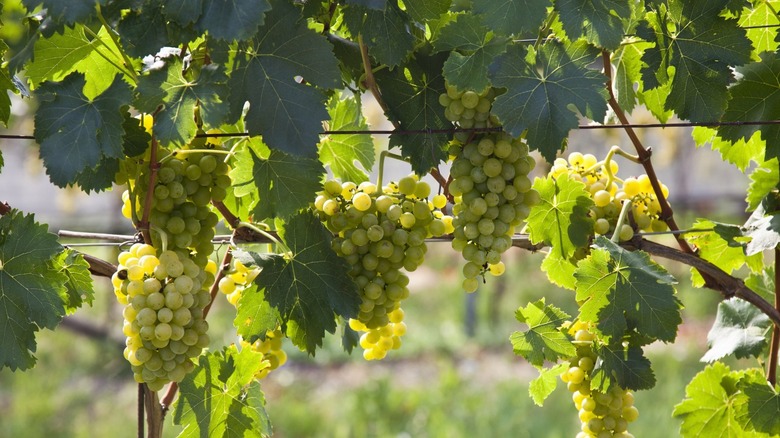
(377, 342)
(185, 185)
(381, 234)
(493, 196)
(238, 278)
(163, 298)
(468, 108)
(603, 414)
(609, 192)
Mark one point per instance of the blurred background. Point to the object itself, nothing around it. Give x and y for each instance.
(455, 375)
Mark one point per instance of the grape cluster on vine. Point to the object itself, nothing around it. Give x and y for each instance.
(602, 414)
(610, 192)
(490, 185)
(381, 234)
(164, 297)
(232, 284)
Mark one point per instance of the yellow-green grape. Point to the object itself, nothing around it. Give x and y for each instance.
(493, 196)
(608, 196)
(381, 234)
(376, 342)
(468, 108)
(238, 278)
(163, 296)
(600, 413)
(273, 354)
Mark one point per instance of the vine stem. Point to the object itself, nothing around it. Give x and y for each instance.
(369, 82)
(774, 346)
(143, 225)
(140, 432)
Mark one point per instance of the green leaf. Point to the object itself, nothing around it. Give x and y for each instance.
(561, 219)
(57, 56)
(473, 48)
(68, 12)
(30, 291)
(626, 291)
(709, 407)
(701, 46)
(309, 287)
(343, 153)
(168, 85)
(740, 329)
(79, 284)
(627, 66)
(763, 229)
(543, 340)
(763, 283)
(287, 113)
(763, 180)
(385, 32)
(6, 85)
(233, 19)
(422, 10)
(559, 270)
(285, 183)
(349, 338)
(512, 16)
(761, 23)
(378, 5)
(758, 404)
(541, 387)
(143, 32)
(599, 21)
(752, 100)
(725, 247)
(76, 133)
(546, 90)
(183, 12)
(254, 315)
(411, 93)
(136, 139)
(222, 398)
(739, 153)
(626, 367)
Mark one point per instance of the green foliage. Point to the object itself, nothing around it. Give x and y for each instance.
(725, 247)
(758, 405)
(601, 22)
(32, 287)
(763, 228)
(512, 16)
(383, 31)
(739, 329)
(626, 291)
(349, 156)
(626, 367)
(222, 398)
(79, 284)
(764, 179)
(541, 387)
(234, 20)
(544, 339)
(307, 288)
(739, 153)
(548, 88)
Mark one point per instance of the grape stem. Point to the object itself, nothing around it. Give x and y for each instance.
(774, 346)
(262, 232)
(621, 219)
(143, 225)
(178, 152)
(382, 156)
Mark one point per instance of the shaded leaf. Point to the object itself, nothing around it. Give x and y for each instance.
(385, 32)
(758, 405)
(740, 329)
(421, 10)
(599, 21)
(543, 340)
(625, 367)
(232, 19)
(512, 16)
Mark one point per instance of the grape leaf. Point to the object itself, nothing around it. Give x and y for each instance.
(57, 56)
(739, 153)
(627, 71)
(349, 338)
(378, 5)
(254, 316)
(763, 228)
(761, 23)
(143, 32)
(543, 340)
(758, 404)
(762, 283)
(68, 12)
(544, 93)
(626, 290)
(183, 12)
(702, 46)
(386, 33)
(222, 398)
(725, 247)
(541, 387)
(233, 19)
(599, 21)
(285, 183)
(709, 408)
(473, 48)
(6, 85)
(20, 39)
(512, 16)
(136, 139)
(79, 284)
(422, 10)
(752, 100)
(625, 367)
(30, 291)
(180, 94)
(740, 329)
(559, 270)
(412, 94)
(76, 133)
(287, 113)
(561, 219)
(764, 179)
(310, 285)
(343, 153)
